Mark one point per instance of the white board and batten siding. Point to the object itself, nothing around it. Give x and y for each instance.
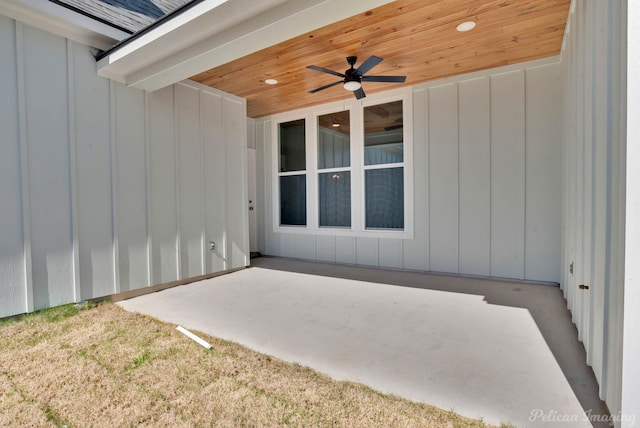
(487, 181)
(593, 72)
(104, 188)
(630, 405)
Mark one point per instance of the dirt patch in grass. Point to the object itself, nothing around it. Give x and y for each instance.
(103, 366)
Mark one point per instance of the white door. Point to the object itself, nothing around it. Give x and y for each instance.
(253, 220)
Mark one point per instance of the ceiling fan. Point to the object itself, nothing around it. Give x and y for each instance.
(353, 77)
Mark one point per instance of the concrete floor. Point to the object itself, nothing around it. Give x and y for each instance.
(502, 351)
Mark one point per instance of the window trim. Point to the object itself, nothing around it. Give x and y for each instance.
(357, 167)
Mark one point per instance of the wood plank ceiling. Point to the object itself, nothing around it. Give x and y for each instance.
(416, 38)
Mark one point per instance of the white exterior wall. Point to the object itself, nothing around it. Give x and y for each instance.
(104, 188)
(631, 350)
(487, 173)
(594, 185)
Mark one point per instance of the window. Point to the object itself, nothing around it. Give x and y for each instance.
(384, 196)
(292, 171)
(345, 168)
(383, 160)
(334, 170)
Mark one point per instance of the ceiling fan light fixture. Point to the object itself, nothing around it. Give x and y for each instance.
(352, 85)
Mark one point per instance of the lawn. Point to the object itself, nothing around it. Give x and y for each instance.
(98, 365)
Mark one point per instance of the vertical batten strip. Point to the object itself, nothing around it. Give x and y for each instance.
(225, 239)
(524, 175)
(489, 190)
(177, 164)
(73, 173)
(586, 311)
(260, 203)
(459, 201)
(619, 197)
(148, 205)
(24, 167)
(427, 126)
(427, 135)
(457, 162)
(599, 206)
(616, 289)
(610, 254)
(114, 186)
(523, 137)
(244, 206)
(574, 163)
(203, 195)
(267, 176)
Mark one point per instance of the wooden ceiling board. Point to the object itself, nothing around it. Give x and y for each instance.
(415, 38)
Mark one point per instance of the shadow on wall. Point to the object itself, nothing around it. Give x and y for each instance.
(144, 7)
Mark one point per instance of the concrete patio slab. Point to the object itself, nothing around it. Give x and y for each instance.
(502, 351)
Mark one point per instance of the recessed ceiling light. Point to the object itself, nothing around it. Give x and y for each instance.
(466, 26)
(335, 125)
(271, 81)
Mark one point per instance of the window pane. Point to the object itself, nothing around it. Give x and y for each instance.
(383, 138)
(335, 199)
(384, 198)
(293, 200)
(292, 146)
(334, 136)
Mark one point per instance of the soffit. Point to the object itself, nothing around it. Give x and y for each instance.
(415, 38)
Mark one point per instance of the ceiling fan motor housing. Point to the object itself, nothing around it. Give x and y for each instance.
(351, 74)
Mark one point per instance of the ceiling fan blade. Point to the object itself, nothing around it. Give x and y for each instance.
(359, 93)
(368, 64)
(325, 70)
(325, 87)
(398, 79)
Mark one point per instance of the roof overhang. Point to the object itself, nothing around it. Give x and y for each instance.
(63, 22)
(214, 32)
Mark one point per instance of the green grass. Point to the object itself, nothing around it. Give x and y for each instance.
(52, 315)
(138, 360)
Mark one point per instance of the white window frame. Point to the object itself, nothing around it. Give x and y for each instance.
(357, 167)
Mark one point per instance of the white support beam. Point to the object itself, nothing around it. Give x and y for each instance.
(215, 32)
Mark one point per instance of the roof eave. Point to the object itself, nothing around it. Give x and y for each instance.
(64, 22)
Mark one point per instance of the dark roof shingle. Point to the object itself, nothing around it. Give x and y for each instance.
(130, 15)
